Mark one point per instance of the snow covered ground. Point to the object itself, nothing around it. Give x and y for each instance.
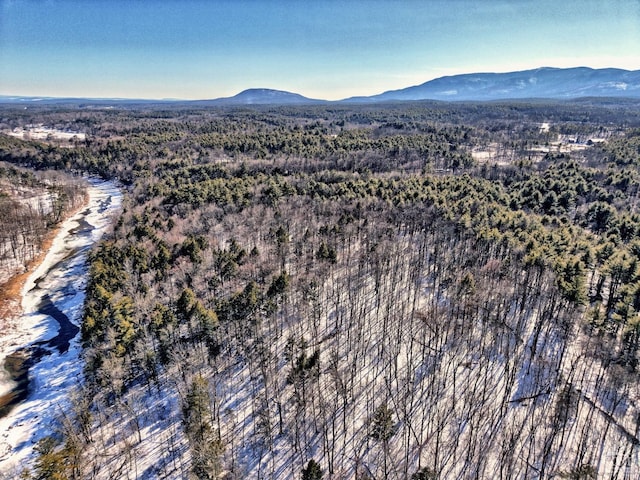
(40, 132)
(61, 277)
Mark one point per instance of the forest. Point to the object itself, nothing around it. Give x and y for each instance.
(402, 291)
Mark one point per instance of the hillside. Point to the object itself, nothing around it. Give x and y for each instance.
(413, 291)
(556, 83)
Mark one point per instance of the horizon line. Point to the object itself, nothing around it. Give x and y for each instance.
(37, 98)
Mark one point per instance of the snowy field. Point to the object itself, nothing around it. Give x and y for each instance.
(61, 276)
(40, 132)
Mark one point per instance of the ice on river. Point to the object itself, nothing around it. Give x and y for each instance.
(61, 277)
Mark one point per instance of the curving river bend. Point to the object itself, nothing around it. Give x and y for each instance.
(40, 359)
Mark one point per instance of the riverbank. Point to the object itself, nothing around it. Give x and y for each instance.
(11, 290)
(14, 367)
(52, 297)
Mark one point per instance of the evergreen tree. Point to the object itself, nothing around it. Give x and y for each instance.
(206, 446)
(424, 473)
(312, 471)
(382, 423)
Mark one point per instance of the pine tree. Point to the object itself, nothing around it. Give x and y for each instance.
(382, 423)
(424, 473)
(206, 446)
(312, 471)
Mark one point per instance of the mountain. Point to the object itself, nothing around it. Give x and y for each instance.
(546, 82)
(264, 96)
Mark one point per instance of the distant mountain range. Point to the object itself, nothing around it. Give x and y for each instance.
(555, 83)
(546, 82)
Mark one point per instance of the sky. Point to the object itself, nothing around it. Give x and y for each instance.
(328, 49)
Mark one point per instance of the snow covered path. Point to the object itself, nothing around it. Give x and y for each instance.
(52, 300)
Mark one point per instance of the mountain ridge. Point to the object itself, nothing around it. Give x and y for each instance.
(539, 83)
(543, 82)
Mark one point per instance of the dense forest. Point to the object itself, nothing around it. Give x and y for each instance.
(412, 291)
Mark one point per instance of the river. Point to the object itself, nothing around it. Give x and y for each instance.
(41, 355)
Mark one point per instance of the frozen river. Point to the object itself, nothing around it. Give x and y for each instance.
(40, 355)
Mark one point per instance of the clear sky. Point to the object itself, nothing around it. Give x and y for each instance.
(328, 49)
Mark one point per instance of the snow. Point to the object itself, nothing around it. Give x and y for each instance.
(391, 340)
(33, 202)
(41, 132)
(61, 276)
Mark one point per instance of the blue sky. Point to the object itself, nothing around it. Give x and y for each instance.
(328, 49)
